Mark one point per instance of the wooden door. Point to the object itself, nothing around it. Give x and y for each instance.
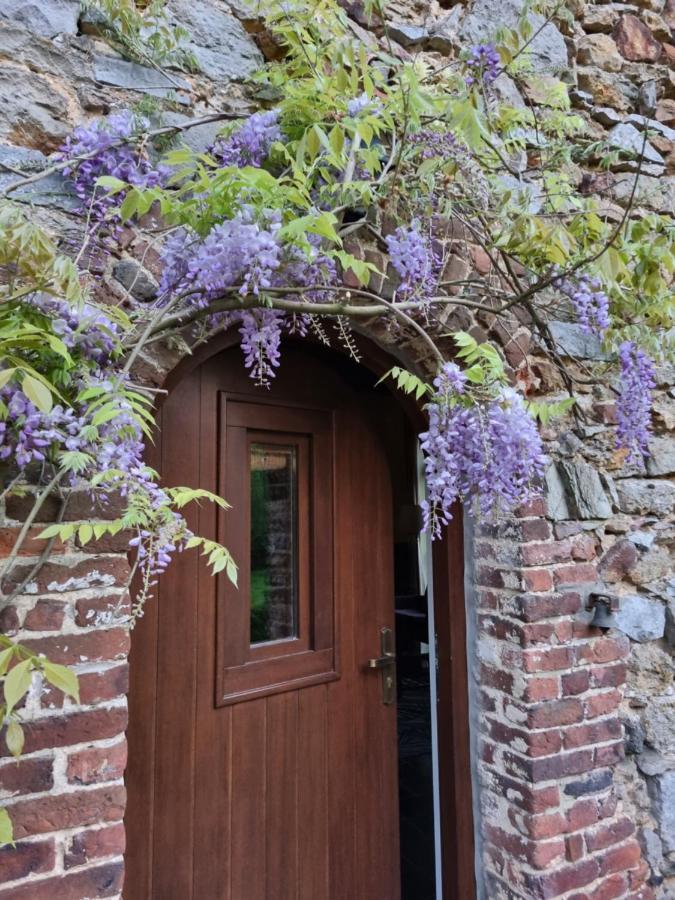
(262, 756)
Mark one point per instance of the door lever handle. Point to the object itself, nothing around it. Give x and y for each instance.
(381, 662)
(386, 665)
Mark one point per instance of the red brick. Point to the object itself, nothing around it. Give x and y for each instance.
(92, 646)
(596, 732)
(583, 547)
(27, 776)
(97, 571)
(9, 620)
(601, 704)
(80, 506)
(608, 834)
(581, 573)
(534, 508)
(541, 554)
(574, 683)
(529, 798)
(608, 676)
(617, 859)
(560, 881)
(534, 607)
(555, 712)
(545, 826)
(564, 631)
(545, 688)
(536, 633)
(610, 755)
(548, 660)
(73, 810)
(496, 678)
(91, 609)
(26, 858)
(535, 530)
(615, 886)
(533, 743)
(78, 727)
(95, 844)
(46, 615)
(574, 847)
(582, 814)
(32, 544)
(604, 649)
(97, 764)
(548, 768)
(101, 881)
(539, 854)
(537, 580)
(618, 561)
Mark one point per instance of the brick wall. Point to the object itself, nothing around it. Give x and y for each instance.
(550, 734)
(66, 793)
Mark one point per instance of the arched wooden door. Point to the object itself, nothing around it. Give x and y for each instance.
(263, 757)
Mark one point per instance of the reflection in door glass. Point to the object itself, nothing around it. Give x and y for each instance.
(273, 542)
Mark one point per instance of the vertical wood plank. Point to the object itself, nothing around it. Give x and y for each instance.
(249, 790)
(280, 804)
(176, 666)
(312, 794)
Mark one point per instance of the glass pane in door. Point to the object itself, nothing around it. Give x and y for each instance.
(273, 542)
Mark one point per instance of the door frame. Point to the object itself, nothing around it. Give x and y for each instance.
(453, 712)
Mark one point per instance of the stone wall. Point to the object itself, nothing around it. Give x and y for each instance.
(578, 728)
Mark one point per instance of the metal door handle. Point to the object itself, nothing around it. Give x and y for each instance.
(386, 664)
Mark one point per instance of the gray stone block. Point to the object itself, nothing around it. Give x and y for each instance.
(131, 76)
(45, 17)
(662, 789)
(639, 495)
(640, 618)
(586, 496)
(136, 279)
(548, 51)
(572, 340)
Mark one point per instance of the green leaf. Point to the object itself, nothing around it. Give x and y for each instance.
(17, 682)
(62, 678)
(5, 376)
(111, 184)
(5, 658)
(85, 533)
(6, 830)
(14, 738)
(37, 393)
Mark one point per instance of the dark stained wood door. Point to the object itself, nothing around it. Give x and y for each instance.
(267, 768)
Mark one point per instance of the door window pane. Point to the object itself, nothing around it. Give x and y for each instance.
(273, 542)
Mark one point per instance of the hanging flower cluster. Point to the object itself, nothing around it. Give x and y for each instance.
(417, 265)
(590, 302)
(489, 457)
(250, 144)
(634, 404)
(483, 64)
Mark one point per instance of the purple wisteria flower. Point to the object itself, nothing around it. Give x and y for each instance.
(483, 64)
(82, 328)
(590, 302)
(634, 405)
(251, 143)
(414, 260)
(437, 144)
(490, 458)
(363, 103)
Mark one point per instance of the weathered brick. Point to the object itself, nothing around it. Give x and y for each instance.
(93, 646)
(537, 580)
(101, 881)
(574, 683)
(606, 835)
(548, 660)
(612, 888)
(608, 676)
(579, 573)
(101, 610)
(574, 847)
(545, 688)
(9, 620)
(604, 649)
(73, 810)
(609, 755)
(26, 858)
(81, 505)
(78, 727)
(32, 545)
(555, 712)
(534, 607)
(96, 764)
(560, 881)
(616, 859)
(539, 854)
(601, 704)
(98, 571)
(27, 776)
(527, 797)
(98, 843)
(549, 768)
(532, 743)
(542, 554)
(594, 783)
(46, 615)
(595, 732)
(583, 814)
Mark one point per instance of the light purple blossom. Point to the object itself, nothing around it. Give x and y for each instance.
(590, 302)
(634, 404)
(414, 260)
(483, 64)
(251, 143)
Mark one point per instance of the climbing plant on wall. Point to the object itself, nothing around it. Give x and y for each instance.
(269, 232)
